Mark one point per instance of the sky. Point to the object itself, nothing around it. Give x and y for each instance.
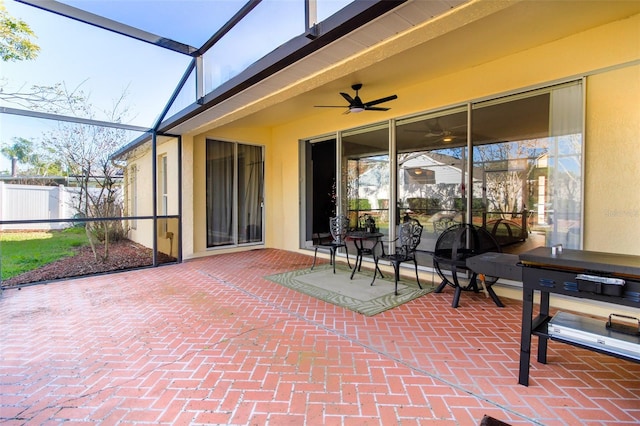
(104, 64)
(100, 63)
(97, 60)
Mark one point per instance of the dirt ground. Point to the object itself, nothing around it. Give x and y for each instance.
(122, 255)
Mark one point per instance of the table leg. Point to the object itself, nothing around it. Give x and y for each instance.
(356, 267)
(525, 337)
(378, 271)
(542, 340)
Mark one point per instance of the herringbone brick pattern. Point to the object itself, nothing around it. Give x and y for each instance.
(210, 341)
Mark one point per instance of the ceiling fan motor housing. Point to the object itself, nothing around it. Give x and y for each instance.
(356, 104)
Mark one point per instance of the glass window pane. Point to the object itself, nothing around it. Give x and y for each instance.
(327, 8)
(527, 169)
(99, 66)
(365, 171)
(186, 96)
(235, 188)
(187, 21)
(251, 39)
(431, 162)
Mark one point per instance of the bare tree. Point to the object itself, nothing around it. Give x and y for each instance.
(16, 44)
(507, 167)
(84, 150)
(57, 99)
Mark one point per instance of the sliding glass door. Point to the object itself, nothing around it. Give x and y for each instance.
(512, 165)
(235, 185)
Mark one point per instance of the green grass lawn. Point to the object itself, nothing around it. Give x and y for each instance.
(24, 251)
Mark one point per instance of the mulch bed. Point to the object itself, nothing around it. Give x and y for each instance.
(123, 255)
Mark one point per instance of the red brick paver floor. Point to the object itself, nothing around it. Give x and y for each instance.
(210, 341)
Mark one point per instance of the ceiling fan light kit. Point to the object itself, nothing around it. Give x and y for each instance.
(356, 105)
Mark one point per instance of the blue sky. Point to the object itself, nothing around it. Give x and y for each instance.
(101, 63)
(104, 64)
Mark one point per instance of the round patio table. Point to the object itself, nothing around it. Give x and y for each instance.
(359, 238)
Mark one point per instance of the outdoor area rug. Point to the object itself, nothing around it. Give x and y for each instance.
(358, 294)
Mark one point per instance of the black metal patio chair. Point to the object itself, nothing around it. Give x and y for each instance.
(338, 227)
(406, 243)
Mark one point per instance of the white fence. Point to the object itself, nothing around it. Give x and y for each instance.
(31, 202)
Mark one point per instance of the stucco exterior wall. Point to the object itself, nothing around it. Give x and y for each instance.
(143, 231)
(140, 231)
(612, 170)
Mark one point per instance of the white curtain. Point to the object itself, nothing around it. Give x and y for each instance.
(565, 154)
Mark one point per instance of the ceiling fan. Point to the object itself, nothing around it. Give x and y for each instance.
(356, 104)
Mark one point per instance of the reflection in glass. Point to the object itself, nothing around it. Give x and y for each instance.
(365, 171)
(527, 169)
(431, 161)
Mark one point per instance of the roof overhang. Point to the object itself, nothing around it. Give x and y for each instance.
(413, 42)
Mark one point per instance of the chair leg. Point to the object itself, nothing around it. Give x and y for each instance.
(315, 254)
(333, 258)
(396, 274)
(415, 262)
(378, 271)
(456, 295)
(441, 287)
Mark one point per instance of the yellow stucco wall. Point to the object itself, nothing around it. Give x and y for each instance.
(143, 231)
(612, 176)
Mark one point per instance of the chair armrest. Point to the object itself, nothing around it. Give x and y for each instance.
(383, 242)
(321, 238)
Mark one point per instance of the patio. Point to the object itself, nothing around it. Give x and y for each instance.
(211, 341)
